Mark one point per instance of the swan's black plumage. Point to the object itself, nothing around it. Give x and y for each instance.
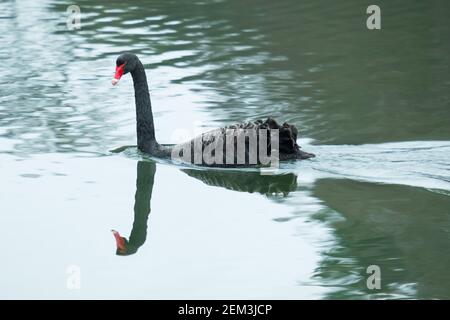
(146, 140)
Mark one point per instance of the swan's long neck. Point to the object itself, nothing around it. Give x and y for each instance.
(144, 117)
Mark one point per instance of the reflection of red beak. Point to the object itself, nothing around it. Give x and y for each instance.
(118, 75)
(120, 241)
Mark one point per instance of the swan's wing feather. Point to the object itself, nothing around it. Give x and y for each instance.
(208, 141)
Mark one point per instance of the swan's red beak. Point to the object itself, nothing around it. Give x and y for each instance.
(118, 75)
(120, 241)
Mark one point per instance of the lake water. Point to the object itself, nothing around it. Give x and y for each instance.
(374, 105)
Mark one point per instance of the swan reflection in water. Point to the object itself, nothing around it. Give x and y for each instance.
(144, 187)
(241, 181)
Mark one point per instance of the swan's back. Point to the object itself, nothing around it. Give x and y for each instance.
(244, 144)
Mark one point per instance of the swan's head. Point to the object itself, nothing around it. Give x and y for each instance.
(125, 63)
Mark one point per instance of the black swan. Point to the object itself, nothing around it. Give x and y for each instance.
(146, 141)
